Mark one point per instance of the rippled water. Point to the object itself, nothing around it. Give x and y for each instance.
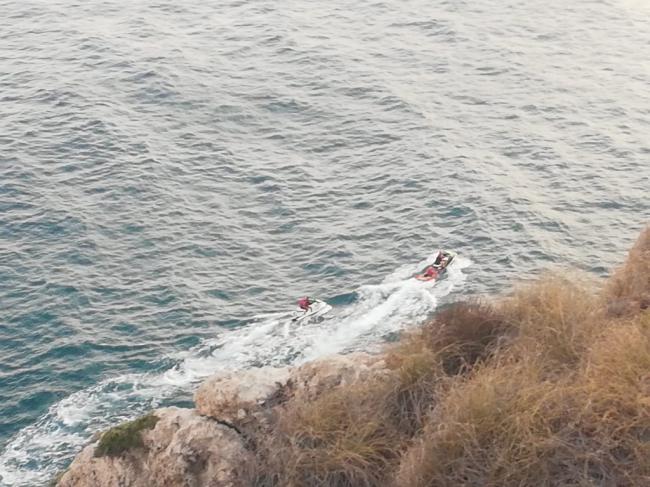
(170, 171)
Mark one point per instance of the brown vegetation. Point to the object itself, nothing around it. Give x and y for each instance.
(555, 320)
(628, 290)
(547, 387)
(345, 437)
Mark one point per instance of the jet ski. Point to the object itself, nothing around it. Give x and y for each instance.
(435, 270)
(316, 310)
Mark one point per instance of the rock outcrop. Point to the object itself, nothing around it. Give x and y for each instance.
(311, 379)
(236, 396)
(233, 396)
(183, 449)
(209, 446)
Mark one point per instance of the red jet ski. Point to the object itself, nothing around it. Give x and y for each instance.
(438, 268)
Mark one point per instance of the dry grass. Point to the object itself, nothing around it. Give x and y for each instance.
(427, 361)
(628, 290)
(547, 387)
(510, 425)
(465, 334)
(418, 376)
(355, 435)
(555, 319)
(344, 438)
(615, 413)
(490, 431)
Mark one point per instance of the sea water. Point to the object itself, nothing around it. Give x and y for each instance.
(171, 171)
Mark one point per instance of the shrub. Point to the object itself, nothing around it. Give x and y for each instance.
(554, 318)
(418, 376)
(465, 333)
(510, 425)
(489, 431)
(124, 437)
(614, 420)
(344, 438)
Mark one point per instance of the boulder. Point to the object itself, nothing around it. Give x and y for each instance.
(313, 378)
(234, 396)
(183, 449)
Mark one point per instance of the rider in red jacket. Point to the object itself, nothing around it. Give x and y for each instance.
(305, 303)
(431, 272)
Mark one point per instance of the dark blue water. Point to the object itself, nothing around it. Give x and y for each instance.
(170, 171)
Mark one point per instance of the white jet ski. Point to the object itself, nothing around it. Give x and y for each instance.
(436, 270)
(317, 309)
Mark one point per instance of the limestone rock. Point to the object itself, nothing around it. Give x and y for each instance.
(184, 449)
(233, 396)
(313, 378)
(238, 397)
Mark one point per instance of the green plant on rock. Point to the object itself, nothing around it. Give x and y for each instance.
(124, 437)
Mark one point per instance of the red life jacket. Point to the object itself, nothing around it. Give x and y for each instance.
(304, 303)
(431, 272)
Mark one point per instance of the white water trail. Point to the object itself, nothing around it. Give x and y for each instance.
(38, 451)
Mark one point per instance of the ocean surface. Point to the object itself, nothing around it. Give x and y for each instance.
(174, 175)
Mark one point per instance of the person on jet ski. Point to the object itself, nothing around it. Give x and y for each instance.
(431, 272)
(441, 259)
(305, 302)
